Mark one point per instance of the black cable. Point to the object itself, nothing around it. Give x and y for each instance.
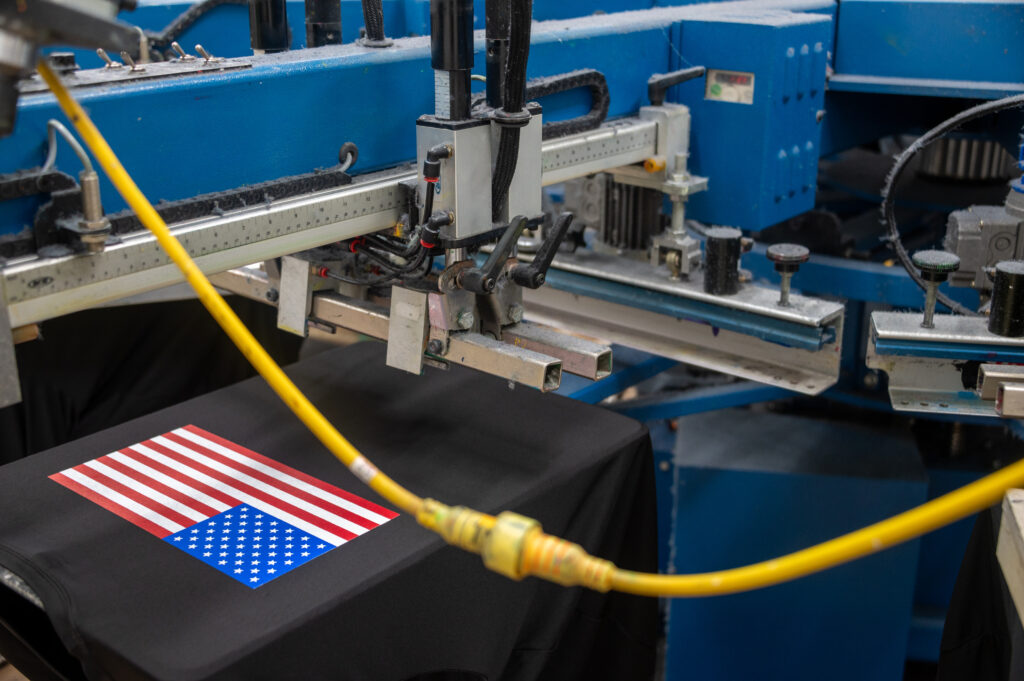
(513, 100)
(185, 20)
(386, 264)
(888, 201)
(373, 19)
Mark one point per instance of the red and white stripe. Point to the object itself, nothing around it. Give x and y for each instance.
(178, 479)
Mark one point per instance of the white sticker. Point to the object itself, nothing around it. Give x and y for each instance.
(729, 86)
(363, 469)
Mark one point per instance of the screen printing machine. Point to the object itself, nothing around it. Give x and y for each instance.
(796, 224)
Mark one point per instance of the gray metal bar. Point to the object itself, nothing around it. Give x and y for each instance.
(579, 356)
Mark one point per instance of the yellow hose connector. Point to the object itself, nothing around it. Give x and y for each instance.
(511, 544)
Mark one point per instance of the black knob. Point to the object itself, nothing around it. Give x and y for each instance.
(722, 260)
(936, 266)
(787, 259)
(1007, 315)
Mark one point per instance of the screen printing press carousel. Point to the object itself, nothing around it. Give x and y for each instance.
(99, 585)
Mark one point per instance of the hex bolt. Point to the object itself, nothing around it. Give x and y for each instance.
(515, 312)
(465, 319)
(435, 347)
(935, 267)
(787, 259)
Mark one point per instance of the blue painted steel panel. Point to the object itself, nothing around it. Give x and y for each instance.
(806, 481)
(922, 40)
(290, 113)
(761, 158)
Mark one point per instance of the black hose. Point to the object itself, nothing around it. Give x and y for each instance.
(513, 100)
(888, 200)
(185, 20)
(373, 19)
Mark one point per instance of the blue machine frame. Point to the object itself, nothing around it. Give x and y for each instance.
(825, 80)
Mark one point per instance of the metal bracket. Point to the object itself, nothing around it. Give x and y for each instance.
(296, 296)
(407, 329)
(10, 388)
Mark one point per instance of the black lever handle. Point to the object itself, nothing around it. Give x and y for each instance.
(483, 279)
(659, 83)
(534, 274)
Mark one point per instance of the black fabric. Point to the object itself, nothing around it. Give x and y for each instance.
(982, 639)
(395, 603)
(95, 369)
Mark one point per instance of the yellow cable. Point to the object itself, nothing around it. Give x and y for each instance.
(221, 311)
(510, 544)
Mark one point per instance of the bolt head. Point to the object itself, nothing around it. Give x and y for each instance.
(435, 347)
(465, 319)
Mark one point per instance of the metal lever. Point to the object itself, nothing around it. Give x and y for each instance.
(659, 83)
(483, 279)
(534, 274)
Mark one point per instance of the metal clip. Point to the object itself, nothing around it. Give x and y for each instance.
(207, 57)
(110, 63)
(182, 54)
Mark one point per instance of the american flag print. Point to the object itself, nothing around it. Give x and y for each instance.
(250, 517)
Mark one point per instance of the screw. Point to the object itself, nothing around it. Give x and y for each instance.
(935, 267)
(435, 347)
(110, 63)
(787, 259)
(273, 295)
(465, 320)
(515, 312)
(182, 54)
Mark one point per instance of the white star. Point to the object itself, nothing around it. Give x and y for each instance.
(228, 516)
(272, 553)
(223, 546)
(289, 553)
(256, 546)
(239, 546)
(305, 553)
(288, 546)
(288, 562)
(213, 522)
(222, 562)
(289, 530)
(241, 531)
(238, 571)
(321, 546)
(254, 579)
(239, 554)
(257, 530)
(259, 515)
(273, 522)
(305, 546)
(223, 553)
(207, 554)
(195, 530)
(255, 553)
(273, 530)
(254, 570)
(255, 562)
(191, 546)
(210, 531)
(243, 522)
(177, 539)
(227, 522)
(271, 562)
(271, 570)
(225, 531)
(208, 546)
(239, 562)
(259, 522)
(273, 546)
(304, 539)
